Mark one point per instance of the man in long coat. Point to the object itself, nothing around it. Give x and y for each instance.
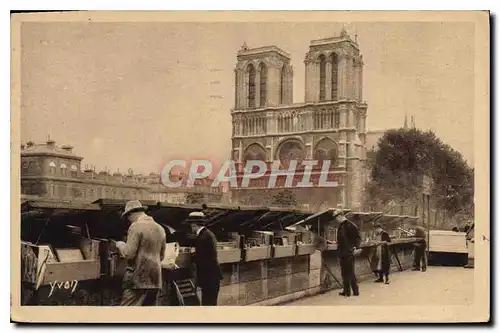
(348, 239)
(381, 259)
(144, 251)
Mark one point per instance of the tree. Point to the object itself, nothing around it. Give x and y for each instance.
(405, 156)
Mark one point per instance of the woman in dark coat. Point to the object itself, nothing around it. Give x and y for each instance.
(381, 260)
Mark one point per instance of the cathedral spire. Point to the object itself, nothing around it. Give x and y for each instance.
(343, 32)
(405, 126)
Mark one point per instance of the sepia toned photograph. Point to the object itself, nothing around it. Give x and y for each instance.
(319, 163)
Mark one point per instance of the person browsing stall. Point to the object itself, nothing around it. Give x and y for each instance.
(144, 251)
(381, 261)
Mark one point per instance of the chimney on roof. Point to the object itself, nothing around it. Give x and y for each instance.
(30, 144)
(67, 148)
(51, 143)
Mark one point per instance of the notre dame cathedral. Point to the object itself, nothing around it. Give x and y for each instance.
(328, 125)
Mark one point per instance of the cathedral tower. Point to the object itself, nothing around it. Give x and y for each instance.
(264, 77)
(334, 70)
(329, 126)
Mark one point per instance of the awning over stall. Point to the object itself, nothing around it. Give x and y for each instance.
(106, 213)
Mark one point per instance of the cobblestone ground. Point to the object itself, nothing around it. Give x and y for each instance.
(436, 286)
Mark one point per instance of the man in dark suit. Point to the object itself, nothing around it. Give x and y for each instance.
(208, 273)
(348, 239)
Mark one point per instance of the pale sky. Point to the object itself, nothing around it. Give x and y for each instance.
(134, 95)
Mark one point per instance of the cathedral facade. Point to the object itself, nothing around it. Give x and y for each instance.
(328, 125)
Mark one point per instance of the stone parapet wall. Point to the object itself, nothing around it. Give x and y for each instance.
(262, 282)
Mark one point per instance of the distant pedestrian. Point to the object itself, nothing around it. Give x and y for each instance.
(420, 258)
(348, 239)
(144, 251)
(381, 259)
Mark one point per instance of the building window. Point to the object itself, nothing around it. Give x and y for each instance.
(358, 122)
(354, 79)
(337, 118)
(282, 86)
(52, 167)
(52, 190)
(335, 73)
(251, 86)
(74, 171)
(236, 87)
(263, 82)
(64, 170)
(322, 77)
(63, 190)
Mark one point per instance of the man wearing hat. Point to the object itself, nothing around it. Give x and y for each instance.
(381, 261)
(208, 273)
(348, 239)
(144, 251)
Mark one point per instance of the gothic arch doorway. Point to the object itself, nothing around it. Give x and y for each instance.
(326, 150)
(290, 150)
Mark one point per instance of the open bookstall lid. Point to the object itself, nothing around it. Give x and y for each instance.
(229, 218)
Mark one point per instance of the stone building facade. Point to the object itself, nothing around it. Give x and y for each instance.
(53, 172)
(329, 125)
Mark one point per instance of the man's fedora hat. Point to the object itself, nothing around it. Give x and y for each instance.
(196, 218)
(133, 206)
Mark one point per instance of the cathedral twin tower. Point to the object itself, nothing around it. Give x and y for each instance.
(328, 125)
(333, 72)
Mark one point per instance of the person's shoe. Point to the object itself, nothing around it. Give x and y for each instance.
(378, 280)
(424, 269)
(356, 293)
(387, 281)
(344, 294)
